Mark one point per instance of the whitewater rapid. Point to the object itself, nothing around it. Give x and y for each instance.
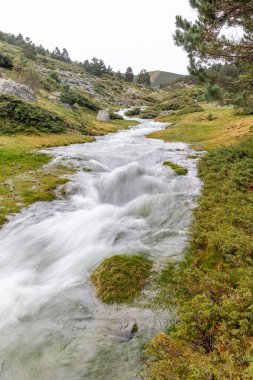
(121, 200)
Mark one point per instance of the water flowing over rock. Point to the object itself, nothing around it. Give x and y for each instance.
(13, 88)
(103, 116)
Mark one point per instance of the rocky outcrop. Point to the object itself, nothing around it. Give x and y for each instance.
(103, 116)
(131, 93)
(13, 88)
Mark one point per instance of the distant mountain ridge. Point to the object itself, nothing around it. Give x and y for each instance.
(158, 78)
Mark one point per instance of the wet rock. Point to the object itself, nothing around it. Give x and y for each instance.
(128, 332)
(13, 88)
(103, 116)
(134, 329)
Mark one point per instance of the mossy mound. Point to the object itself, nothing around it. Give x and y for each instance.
(179, 170)
(21, 116)
(120, 279)
(190, 109)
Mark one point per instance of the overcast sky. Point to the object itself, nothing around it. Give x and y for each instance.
(123, 33)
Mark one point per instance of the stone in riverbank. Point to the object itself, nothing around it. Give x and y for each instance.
(103, 116)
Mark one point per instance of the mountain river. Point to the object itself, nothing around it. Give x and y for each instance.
(121, 200)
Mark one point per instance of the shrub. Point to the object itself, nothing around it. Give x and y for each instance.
(244, 103)
(173, 105)
(115, 116)
(210, 117)
(71, 97)
(133, 112)
(149, 114)
(213, 92)
(190, 109)
(17, 115)
(120, 279)
(54, 75)
(5, 62)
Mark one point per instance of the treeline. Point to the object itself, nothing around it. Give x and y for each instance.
(31, 50)
(95, 66)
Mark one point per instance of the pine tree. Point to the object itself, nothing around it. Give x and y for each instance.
(129, 75)
(208, 39)
(65, 55)
(144, 78)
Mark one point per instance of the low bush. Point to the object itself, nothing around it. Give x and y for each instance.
(149, 114)
(17, 115)
(133, 112)
(190, 109)
(173, 105)
(210, 117)
(72, 96)
(5, 62)
(115, 116)
(55, 76)
(120, 279)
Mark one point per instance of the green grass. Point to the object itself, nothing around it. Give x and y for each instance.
(226, 129)
(212, 288)
(179, 170)
(23, 179)
(120, 279)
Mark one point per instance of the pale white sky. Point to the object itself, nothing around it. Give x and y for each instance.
(123, 33)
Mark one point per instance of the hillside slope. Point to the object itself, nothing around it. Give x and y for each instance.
(158, 78)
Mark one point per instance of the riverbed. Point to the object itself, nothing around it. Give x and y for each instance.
(121, 200)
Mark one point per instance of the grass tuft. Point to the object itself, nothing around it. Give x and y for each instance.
(120, 279)
(179, 170)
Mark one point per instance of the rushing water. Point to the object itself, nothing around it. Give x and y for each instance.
(121, 200)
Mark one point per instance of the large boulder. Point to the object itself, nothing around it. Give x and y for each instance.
(103, 116)
(10, 87)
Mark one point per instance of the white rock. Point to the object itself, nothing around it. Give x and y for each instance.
(13, 88)
(103, 115)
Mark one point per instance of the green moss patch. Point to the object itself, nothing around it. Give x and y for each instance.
(120, 279)
(179, 170)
